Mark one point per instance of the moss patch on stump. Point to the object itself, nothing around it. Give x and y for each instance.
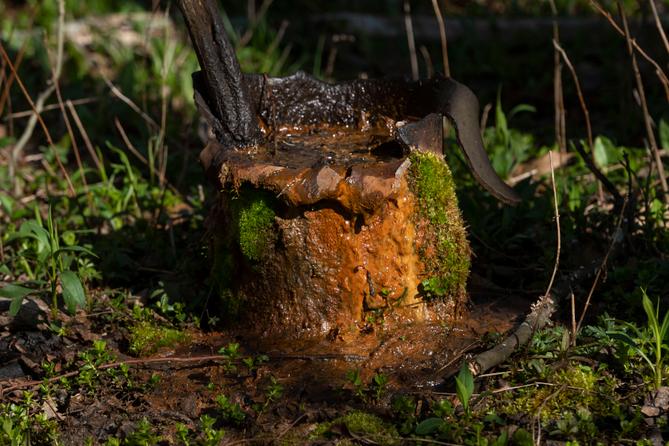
(445, 250)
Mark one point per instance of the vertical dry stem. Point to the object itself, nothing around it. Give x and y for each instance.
(658, 70)
(652, 142)
(558, 94)
(658, 24)
(590, 162)
(39, 118)
(442, 37)
(408, 24)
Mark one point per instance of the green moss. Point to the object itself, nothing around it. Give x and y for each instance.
(361, 425)
(581, 390)
(255, 222)
(146, 337)
(448, 263)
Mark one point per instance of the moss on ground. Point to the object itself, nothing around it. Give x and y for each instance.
(361, 425)
(448, 264)
(146, 337)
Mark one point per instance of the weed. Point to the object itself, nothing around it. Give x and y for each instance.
(649, 343)
(231, 353)
(53, 256)
(464, 385)
(231, 412)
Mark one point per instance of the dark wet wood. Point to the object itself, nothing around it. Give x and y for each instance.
(225, 92)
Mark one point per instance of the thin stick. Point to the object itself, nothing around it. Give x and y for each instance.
(408, 24)
(658, 24)
(9, 80)
(658, 70)
(558, 93)
(644, 107)
(84, 134)
(39, 118)
(50, 107)
(442, 37)
(573, 319)
(617, 238)
(557, 226)
(590, 162)
(70, 132)
(119, 94)
(429, 70)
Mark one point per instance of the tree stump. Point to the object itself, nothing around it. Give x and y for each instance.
(335, 203)
(338, 216)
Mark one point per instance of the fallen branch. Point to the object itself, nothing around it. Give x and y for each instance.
(540, 315)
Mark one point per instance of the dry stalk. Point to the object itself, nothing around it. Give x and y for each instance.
(70, 132)
(616, 239)
(119, 94)
(442, 37)
(408, 24)
(84, 134)
(50, 107)
(589, 161)
(429, 69)
(658, 24)
(558, 93)
(644, 107)
(658, 70)
(557, 226)
(10, 79)
(39, 118)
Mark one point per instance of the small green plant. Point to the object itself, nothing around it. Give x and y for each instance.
(464, 387)
(230, 411)
(650, 343)
(53, 256)
(353, 377)
(231, 353)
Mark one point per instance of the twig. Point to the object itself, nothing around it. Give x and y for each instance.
(39, 118)
(558, 93)
(658, 70)
(442, 37)
(590, 162)
(572, 300)
(30, 127)
(557, 226)
(50, 107)
(70, 132)
(617, 238)
(84, 134)
(644, 108)
(408, 24)
(119, 94)
(429, 70)
(538, 317)
(658, 24)
(9, 80)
